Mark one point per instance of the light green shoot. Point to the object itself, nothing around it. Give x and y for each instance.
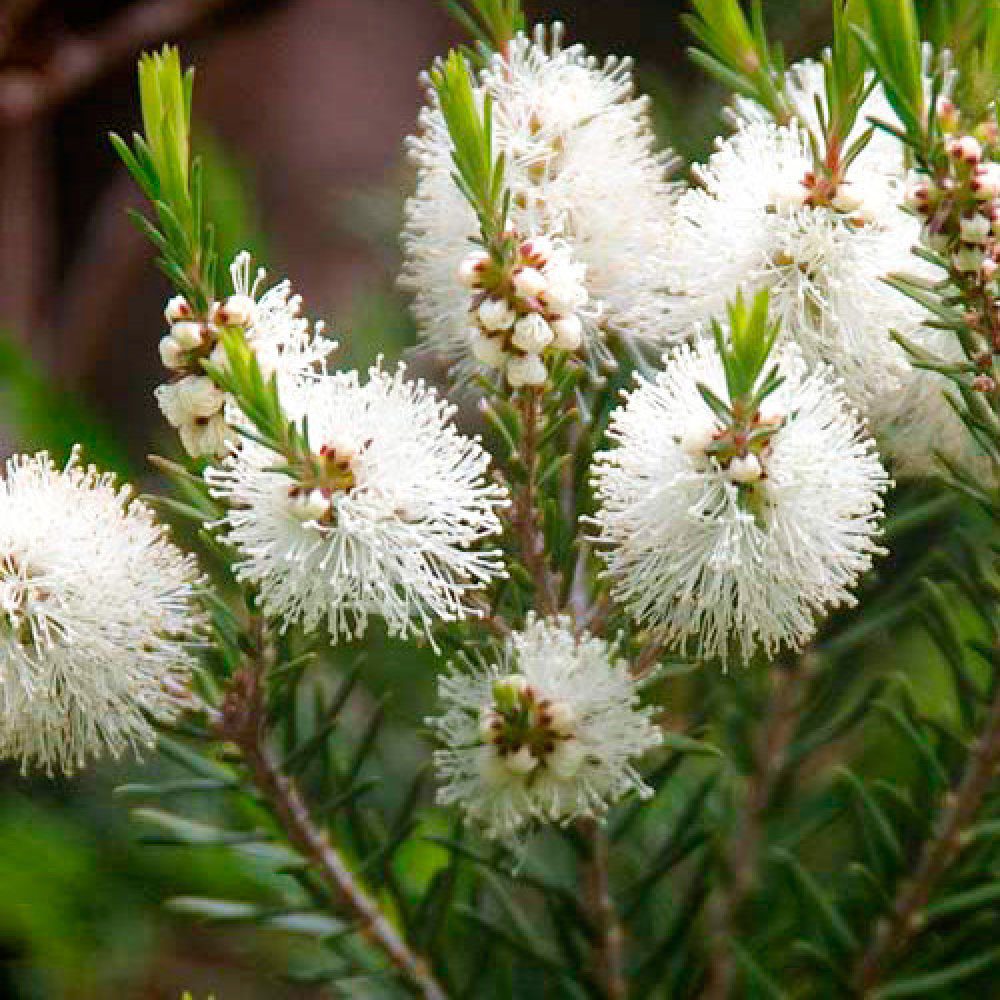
(736, 51)
(479, 173)
(744, 353)
(492, 23)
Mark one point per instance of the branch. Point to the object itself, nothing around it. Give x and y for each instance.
(79, 61)
(242, 723)
(524, 511)
(744, 847)
(961, 805)
(609, 939)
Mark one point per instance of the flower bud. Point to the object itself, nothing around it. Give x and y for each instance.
(528, 370)
(532, 334)
(985, 182)
(565, 296)
(744, 470)
(965, 149)
(238, 310)
(696, 441)
(521, 762)
(529, 282)
(488, 350)
(470, 271)
(847, 199)
(562, 720)
(310, 505)
(207, 436)
(188, 335)
(496, 314)
(177, 309)
(171, 353)
(538, 250)
(508, 691)
(989, 268)
(974, 229)
(568, 332)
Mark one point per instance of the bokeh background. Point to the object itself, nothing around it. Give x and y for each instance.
(301, 107)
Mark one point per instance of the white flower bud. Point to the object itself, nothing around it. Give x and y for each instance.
(696, 440)
(566, 759)
(989, 268)
(966, 148)
(532, 334)
(521, 762)
(744, 470)
(530, 282)
(568, 332)
(171, 353)
(562, 718)
(238, 310)
(471, 268)
(565, 296)
(538, 247)
(529, 370)
(985, 183)
(847, 199)
(210, 437)
(187, 334)
(496, 314)
(968, 259)
(311, 506)
(974, 229)
(177, 309)
(488, 350)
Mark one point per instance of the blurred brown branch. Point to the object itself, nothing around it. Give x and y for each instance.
(80, 60)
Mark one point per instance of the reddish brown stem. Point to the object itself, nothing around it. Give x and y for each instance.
(743, 849)
(242, 723)
(896, 931)
(608, 953)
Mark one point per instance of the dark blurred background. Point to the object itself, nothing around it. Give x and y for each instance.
(301, 107)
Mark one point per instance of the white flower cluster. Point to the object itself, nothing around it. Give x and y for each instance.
(739, 547)
(581, 169)
(549, 732)
(389, 522)
(752, 224)
(284, 343)
(520, 317)
(97, 617)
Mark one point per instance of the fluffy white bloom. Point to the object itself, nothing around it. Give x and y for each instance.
(97, 614)
(548, 733)
(403, 504)
(723, 568)
(919, 421)
(581, 168)
(748, 226)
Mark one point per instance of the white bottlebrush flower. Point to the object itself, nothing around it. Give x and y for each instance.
(748, 226)
(725, 567)
(97, 615)
(582, 170)
(919, 421)
(548, 733)
(403, 504)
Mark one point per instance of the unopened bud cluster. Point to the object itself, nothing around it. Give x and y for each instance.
(523, 732)
(523, 312)
(816, 190)
(960, 208)
(191, 401)
(740, 451)
(332, 472)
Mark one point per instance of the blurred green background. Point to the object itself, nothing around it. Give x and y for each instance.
(302, 108)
